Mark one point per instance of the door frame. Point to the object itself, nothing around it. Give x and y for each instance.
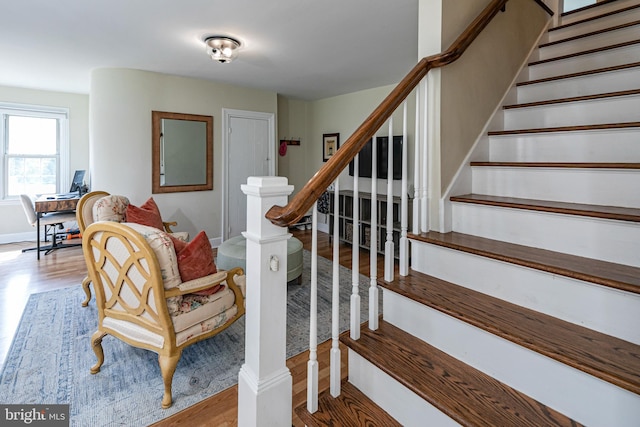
(227, 115)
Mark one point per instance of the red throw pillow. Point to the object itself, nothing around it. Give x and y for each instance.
(196, 259)
(147, 214)
(178, 244)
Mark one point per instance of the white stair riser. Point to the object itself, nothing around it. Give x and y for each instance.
(607, 240)
(596, 111)
(621, 145)
(609, 58)
(590, 42)
(580, 396)
(597, 307)
(610, 187)
(597, 24)
(579, 86)
(398, 401)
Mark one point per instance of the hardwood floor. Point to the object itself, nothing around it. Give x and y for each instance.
(21, 275)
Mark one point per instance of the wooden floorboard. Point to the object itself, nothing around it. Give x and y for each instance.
(618, 276)
(608, 358)
(463, 393)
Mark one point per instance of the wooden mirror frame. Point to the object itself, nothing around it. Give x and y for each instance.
(156, 135)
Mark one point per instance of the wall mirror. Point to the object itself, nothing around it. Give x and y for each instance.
(182, 158)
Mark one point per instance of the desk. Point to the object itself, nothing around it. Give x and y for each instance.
(51, 203)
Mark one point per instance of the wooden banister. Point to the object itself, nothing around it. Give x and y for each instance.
(304, 199)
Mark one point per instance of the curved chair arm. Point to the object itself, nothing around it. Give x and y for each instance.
(207, 282)
(168, 225)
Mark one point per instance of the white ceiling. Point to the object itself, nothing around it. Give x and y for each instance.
(306, 49)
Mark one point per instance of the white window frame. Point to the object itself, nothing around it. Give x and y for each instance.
(59, 113)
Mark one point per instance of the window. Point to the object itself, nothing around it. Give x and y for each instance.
(34, 150)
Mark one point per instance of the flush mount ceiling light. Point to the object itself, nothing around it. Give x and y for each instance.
(222, 48)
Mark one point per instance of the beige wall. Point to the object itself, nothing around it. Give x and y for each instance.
(294, 123)
(121, 105)
(472, 87)
(14, 226)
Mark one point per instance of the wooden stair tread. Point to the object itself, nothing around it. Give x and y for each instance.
(606, 357)
(617, 276)
(593, 18)
(595, 211)
(574, 99)
(566, 165)
(351, 409)
(463, 393)
(580, 74)
(586, 52)
(580, 128)
(592, 33)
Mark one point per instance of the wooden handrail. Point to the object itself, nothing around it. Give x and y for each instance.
(304, 199)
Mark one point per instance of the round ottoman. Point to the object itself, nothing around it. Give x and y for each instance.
(233, 253)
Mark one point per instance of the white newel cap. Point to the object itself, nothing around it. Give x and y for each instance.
(263, 192)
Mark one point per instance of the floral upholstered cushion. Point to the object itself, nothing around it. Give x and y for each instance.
(147, 214)
(110, 208)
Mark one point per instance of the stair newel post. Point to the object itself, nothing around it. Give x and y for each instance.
(373, 238)
(404, 202)
(424, 208)
(335, 376)
(355, 256)
(312, 365)
(389, 247)
(264, 381)
(416, 168)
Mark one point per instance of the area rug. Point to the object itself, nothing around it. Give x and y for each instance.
(50, 357)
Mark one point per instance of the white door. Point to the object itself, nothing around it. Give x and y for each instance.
(249, 151)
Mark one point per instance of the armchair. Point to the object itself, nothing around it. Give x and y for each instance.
(142, 301)
(102, 206)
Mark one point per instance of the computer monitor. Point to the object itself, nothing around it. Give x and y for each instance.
(78, 179)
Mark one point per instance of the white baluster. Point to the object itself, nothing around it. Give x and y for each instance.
(404, 205)
(355, 256)
(424, 223)
(416, 168)
(389, 246)
(335, 376)
(312, 365)
(373, 232)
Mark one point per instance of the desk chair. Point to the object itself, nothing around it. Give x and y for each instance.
(51, 223)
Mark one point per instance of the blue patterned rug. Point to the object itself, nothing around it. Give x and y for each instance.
(51, 354)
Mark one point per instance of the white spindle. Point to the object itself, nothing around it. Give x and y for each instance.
(312, 365)
(416, 168)
(404, 204)
(389, 246)
(355, 256)
(424, 209)
(373, 232)
(334, 386)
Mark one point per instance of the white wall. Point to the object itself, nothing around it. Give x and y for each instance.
(121, 104)
(14, 226)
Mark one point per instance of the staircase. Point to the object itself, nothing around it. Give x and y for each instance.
(528, 312)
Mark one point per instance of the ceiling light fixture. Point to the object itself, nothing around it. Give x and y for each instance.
(222, 48)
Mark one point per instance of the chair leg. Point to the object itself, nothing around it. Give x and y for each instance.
(96, 343)
(87, 290)
(168, 365)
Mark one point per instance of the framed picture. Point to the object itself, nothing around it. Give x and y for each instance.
(330, 144)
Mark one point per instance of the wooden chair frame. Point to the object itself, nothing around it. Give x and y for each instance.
(150, 296)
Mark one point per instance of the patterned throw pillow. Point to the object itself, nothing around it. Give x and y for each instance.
(147, 214)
